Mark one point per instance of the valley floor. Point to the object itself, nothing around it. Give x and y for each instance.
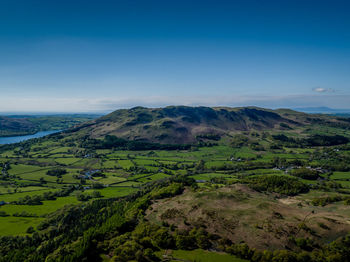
(230, 201)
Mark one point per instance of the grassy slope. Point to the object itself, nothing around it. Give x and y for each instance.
(243, 215)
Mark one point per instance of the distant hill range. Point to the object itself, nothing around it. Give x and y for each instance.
(182, 124)
(323, 110)
(16, 125)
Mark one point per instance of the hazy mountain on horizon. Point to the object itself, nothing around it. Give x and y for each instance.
(322, 110)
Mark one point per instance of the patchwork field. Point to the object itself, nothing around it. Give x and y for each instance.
(217, 164)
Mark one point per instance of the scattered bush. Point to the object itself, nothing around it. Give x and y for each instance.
(277, 184)
(56, 172)
(305, 173)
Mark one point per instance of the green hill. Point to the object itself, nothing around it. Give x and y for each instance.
(183, 125)
(26, 125)
(13, 126)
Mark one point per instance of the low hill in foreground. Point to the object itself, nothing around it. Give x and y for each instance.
(181, 124)
(242, 215)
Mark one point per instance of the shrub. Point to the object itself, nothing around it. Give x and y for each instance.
(305, 173)
(171, 190)
(56, 172)
(277, 184)
(30, 230)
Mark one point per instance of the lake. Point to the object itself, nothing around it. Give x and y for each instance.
(16, 139)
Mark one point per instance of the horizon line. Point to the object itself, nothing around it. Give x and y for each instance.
(316, 109)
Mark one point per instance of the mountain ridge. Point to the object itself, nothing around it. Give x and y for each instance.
(184, 124)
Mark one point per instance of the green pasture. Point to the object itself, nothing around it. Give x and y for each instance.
(111, 192)
(10, 226)
(5, 190)
(340, 175)
(125, 164)
(199, 255)
(127, 184)
(17, 196)
(208, 176)
(218, 164)
(110, 178)
(110, 164)
(145, 162)
(153, 177)
(47, 207)
(66, 160)
(63, 149)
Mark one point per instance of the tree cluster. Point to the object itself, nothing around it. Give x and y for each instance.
(277, 184)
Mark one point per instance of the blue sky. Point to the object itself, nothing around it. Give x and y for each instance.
(89, 56)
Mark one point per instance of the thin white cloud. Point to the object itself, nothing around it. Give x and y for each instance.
(323, 90)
